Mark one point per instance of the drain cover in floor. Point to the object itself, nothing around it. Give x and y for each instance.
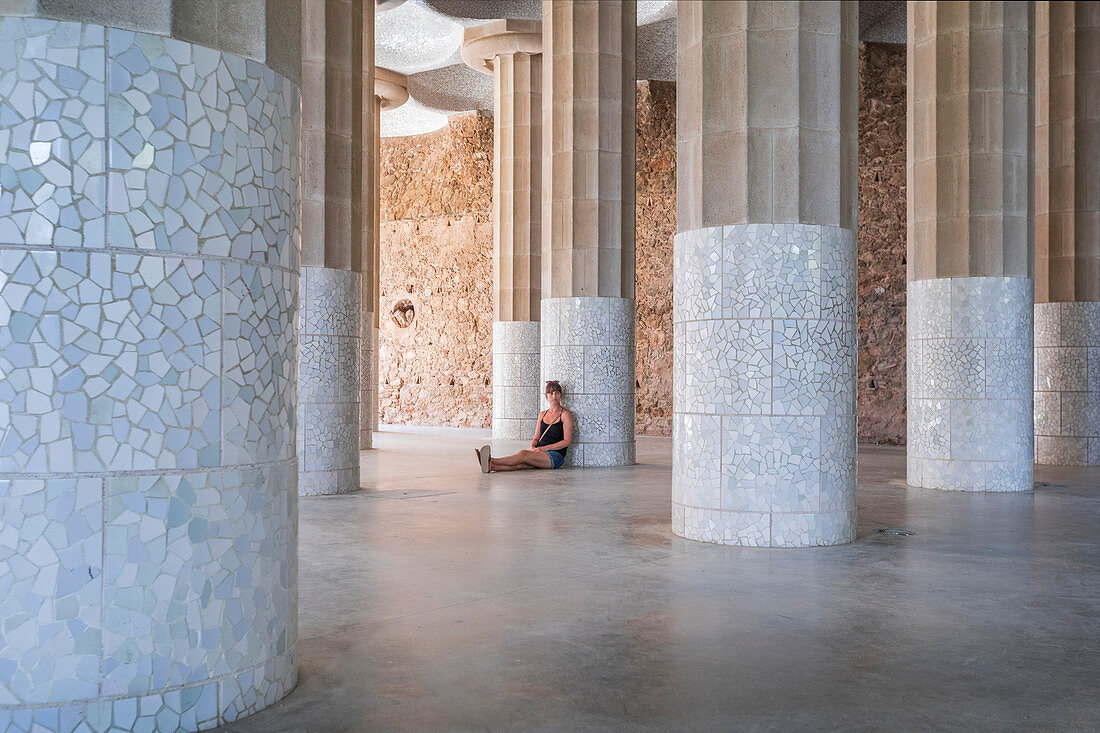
(896, 531)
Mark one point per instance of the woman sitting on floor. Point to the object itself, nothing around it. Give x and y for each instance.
(549, 446)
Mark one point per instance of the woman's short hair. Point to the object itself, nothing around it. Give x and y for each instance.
(553, 386)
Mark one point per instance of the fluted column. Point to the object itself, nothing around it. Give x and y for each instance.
(1067, 234)
(970, 299)
(149, 272)
(335, 111)
(764, 273)
(588, 221)
(510, 50)
(390, 92)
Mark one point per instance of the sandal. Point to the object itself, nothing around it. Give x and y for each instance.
(484, 456)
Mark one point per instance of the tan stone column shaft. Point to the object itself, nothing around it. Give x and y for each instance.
(588, 221)
(1067, 233)
(390, 91)
(335, 36)
(510, 50)
(764, 273)
(969, 172)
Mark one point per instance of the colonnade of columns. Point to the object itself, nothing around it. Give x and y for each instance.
(150, 282)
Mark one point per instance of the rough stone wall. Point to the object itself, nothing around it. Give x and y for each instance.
(436, 253)
(881, 312)
(437, 245)
(656, 225)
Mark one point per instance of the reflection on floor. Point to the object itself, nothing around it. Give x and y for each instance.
(438, 598)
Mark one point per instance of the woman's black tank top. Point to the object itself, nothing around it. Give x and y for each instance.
(553, 434)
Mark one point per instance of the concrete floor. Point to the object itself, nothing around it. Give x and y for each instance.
(441, 599)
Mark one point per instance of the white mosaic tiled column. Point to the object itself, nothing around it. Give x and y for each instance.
(517, 391)
(588, 346)
(328, 400)
(1067, 384)
(148, 369)
(764, 397)
(969, 384)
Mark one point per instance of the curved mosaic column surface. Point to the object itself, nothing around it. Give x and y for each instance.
(764, 415)
(517, 392)
(328, 406)
(588, 346)
(1067, 384)
(148, 295)
(969, 384)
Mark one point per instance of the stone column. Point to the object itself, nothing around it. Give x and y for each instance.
(510, 50)
(390, 92)
(764, 294)
(588, 221)
(333, 75)
(149, 274)
(1067, 234)
(969, 168)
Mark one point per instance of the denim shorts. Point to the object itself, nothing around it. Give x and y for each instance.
(556, 459)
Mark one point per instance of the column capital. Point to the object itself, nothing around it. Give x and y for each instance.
(483, 43)
(391, 87)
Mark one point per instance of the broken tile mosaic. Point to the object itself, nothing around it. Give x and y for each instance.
(969, 402)
(763, 384)
(588, 346)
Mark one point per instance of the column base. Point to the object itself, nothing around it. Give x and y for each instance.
(331, 353)
(764, 429)
(588, 346)
(1067, 384)
(517, 391)
(969, 384)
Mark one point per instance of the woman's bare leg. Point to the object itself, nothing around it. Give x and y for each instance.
(521, 461)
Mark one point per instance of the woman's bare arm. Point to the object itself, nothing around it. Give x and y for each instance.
(535, 440)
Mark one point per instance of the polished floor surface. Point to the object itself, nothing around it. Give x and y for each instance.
(441, 599)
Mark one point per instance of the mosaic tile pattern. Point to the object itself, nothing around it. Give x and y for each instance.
(260, 364)
(1067, 384)
(52, 166)
(969, 384)
(202, 152)
(165, 570)
(330, 387)
(516, 385)
(588, 346)
(764, 385)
